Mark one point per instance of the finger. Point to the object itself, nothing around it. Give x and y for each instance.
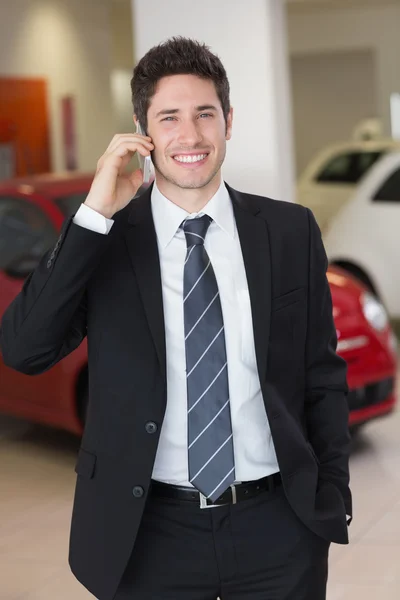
(122, 136)
(121, 156)
(133, 143)
(117, 140)
(127, 135)
(122, 149)
(128, 148)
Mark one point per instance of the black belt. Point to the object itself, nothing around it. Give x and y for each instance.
(235, 493)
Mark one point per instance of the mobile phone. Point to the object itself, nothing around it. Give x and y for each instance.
(144, 161)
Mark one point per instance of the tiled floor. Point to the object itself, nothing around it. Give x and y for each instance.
(36, 489)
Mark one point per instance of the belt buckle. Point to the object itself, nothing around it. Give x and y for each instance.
(233, 489)
(204, 499)
(203, 502)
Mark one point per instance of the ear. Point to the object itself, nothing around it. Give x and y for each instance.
(229, 121)
(135, 120)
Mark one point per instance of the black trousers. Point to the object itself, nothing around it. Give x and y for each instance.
(255, 550)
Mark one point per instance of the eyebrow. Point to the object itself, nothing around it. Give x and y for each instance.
(174, 111)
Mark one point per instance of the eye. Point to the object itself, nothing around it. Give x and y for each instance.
(205, 115)
(169, 119)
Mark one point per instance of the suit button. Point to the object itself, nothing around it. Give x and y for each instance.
(151, 427)
(138, 491)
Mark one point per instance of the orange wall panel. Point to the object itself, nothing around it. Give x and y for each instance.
(24, 108)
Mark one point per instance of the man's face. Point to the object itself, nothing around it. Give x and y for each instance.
(187, 125)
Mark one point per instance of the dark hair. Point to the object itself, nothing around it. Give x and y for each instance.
(176, 56)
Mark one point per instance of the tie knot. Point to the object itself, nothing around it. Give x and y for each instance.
(195, 230)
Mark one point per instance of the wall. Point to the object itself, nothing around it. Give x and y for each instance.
(332, 93)
(68, 43)
(25, 132)
(122, 58)
(345, 29)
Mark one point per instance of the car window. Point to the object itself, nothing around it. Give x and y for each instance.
(347, 168)
(365, 160)
(69, 204)
(390, 190)
(25, 231)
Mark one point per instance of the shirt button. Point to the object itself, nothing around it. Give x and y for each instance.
(138, 491)
(151, 427)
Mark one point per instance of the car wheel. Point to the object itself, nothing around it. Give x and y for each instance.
(359, 274)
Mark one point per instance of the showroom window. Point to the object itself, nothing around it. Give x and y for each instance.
(26, 233)
(390, 190)
(348, 168)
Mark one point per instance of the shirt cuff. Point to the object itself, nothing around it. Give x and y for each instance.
(90, 219)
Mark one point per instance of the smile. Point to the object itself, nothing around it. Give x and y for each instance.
(190, 158)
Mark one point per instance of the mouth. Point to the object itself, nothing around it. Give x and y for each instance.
(190, 160)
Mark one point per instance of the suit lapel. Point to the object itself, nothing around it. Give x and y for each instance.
(142, 246)
(141, 240)
(254, 240)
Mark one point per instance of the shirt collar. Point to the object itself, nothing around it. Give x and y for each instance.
(168, 216)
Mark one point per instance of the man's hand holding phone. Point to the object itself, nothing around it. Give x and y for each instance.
(112, 187)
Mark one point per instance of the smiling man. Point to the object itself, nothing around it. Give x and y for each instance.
(190, 120)
(214, 460)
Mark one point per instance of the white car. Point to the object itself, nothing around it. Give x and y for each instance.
(333, 176)
(364, 236)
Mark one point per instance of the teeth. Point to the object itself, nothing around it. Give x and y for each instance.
(190, 159)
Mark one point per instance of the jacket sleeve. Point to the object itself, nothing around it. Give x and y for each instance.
(327, 413)
(47, 320)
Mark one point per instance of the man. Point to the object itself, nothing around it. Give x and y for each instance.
(214, 460)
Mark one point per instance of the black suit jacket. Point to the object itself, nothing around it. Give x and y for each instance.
(109, 288)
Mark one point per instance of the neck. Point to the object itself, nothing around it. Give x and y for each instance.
(191, 200)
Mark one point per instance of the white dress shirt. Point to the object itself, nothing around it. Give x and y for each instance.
(253, 446)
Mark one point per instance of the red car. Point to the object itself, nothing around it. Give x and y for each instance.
(31, 214)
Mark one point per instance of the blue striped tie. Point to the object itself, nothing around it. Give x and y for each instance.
(211, 457)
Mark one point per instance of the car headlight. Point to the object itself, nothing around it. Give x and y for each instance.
(374, 311)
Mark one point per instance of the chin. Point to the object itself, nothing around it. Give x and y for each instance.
(193, 183)
(188, 182)
(193, 180)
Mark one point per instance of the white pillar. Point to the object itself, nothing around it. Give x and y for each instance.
(250, 39)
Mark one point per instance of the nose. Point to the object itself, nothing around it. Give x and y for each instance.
(189, 134)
